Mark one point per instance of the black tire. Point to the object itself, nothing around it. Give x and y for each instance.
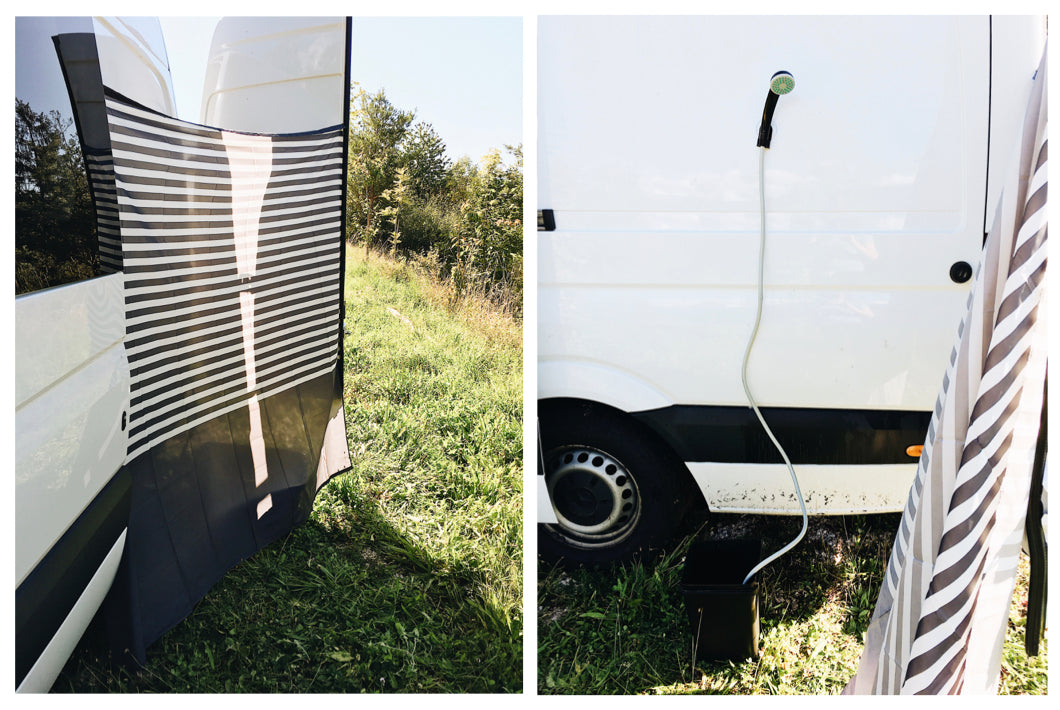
(619, 492)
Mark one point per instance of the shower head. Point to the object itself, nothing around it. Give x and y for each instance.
(781, 83)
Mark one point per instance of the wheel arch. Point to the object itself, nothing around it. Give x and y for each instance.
(599, 383)
(549, 406)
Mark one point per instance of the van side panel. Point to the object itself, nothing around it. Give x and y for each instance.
(1016, 46)
(46, 669)
(71, 509)
(597, 382)
(71, 390)
(766, 488)
(133, 60)
(875, 194)
(874, 188)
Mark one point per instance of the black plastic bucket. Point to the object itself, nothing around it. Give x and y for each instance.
(722, 610)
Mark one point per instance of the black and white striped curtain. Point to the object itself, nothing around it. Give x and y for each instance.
(231, 249)
(100, 168)
(229, 246)
(942, 612)
(232, 253)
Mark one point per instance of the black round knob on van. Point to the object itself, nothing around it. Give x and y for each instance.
(960, 272)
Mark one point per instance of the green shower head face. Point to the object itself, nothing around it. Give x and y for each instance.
(782, 83)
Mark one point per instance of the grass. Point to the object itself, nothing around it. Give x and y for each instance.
(408, 575)
(624, 630)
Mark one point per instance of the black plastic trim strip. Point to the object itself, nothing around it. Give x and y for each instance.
(989, 110)
(546, 221)
(49, 592)
(810, 436)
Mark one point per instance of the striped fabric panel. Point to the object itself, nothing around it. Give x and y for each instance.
(231, 247)
(100, 168)
(941, 614)
(913, 557)
(939, 657)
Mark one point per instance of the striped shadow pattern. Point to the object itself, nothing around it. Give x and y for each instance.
(942, 612)
(231, 246)
(100, 168)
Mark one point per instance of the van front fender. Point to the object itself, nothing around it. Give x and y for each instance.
(598, 383)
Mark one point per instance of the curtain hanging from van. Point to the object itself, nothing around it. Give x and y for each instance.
(942, 612)
(232, 254)
(230, 245)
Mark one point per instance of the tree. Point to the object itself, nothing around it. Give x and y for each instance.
(55, 223)
(458, 180)
(491, 237)
(423, 153)
(376, 130)
(404, 193)
(397, 199)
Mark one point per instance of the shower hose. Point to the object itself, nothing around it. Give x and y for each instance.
(743, 371)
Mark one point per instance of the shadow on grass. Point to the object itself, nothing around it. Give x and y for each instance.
(840, 561)
(344, 603)
(624, 629)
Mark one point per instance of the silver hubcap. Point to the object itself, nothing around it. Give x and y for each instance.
(593, 495)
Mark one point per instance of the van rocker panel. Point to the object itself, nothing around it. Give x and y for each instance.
(809, 436)
(766, 489)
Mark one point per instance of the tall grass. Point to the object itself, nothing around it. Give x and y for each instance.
(407, 577)
(624, 630)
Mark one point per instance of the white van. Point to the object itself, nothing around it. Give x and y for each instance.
(879, 186)
(75, 398)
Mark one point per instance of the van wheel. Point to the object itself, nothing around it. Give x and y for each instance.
(616, 489)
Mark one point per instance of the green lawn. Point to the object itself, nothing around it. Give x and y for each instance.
(408, 576)
(624, 630)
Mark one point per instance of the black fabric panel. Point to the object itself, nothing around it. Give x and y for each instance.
(195, 505)
(1037, 550)
(159, 581)
(320, 400)
(294, 492)
(214, 458)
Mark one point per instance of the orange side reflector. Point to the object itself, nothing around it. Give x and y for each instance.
(915, 451)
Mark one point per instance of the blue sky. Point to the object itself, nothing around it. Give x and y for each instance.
(463, 75)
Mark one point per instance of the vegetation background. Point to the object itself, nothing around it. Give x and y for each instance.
(462, 221)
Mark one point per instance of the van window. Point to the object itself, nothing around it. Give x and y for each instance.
(56, 238)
